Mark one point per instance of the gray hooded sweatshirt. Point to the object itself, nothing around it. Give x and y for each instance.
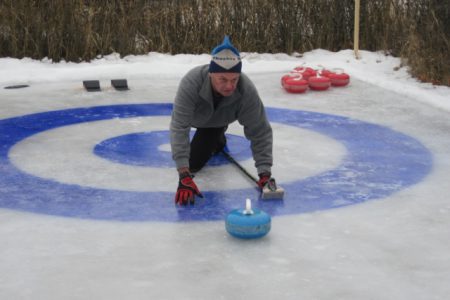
(194, 107)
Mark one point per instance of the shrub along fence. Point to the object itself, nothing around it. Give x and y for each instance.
(76, 30)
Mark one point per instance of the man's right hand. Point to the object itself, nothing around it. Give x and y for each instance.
(187, 190)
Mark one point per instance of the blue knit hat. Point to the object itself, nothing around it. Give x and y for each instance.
(225, 58)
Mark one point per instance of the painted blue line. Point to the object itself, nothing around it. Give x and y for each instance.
(142, 149)
(380, 161)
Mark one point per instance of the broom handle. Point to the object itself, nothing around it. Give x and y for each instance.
(231, 159)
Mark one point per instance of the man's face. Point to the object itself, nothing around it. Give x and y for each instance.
(224, 83)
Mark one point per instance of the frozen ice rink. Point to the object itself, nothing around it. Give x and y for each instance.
(87, 186)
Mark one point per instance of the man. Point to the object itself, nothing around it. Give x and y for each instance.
(209, 98)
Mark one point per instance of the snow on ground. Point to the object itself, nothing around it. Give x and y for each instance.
(392, 248)
(374, 68)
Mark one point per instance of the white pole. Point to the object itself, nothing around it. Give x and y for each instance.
(356, 29)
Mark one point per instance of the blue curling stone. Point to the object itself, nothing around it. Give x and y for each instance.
(248, 226)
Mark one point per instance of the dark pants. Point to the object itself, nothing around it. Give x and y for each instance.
(205, 143)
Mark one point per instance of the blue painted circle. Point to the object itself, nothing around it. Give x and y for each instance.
(247, 226)
(379, 162)
(142, 149)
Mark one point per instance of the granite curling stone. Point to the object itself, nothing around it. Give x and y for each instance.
(248, 223)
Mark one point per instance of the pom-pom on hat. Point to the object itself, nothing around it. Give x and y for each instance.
(225, 58)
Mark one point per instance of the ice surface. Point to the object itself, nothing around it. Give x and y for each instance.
(66, 155)
(393, 248)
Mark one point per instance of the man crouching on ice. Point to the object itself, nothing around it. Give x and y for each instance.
(209, 98)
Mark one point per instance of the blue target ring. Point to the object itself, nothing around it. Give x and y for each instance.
(143, 149)
(381, 161)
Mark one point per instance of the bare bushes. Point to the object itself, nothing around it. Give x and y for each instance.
(76, 30)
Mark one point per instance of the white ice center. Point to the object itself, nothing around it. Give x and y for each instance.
(65, 154)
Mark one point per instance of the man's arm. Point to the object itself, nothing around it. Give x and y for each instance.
(183, 170)
(180, 124)
(258, 130)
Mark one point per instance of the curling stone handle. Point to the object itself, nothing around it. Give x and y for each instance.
(248, 207)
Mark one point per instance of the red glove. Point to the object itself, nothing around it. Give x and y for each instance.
(187, 190)
(264, 179)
